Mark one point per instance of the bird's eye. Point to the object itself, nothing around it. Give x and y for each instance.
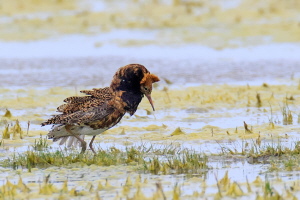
(145, 88)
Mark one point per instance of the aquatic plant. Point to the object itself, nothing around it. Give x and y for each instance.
(258, 103)
(147, 159)
(17, 130)
(5, 133)
(40, 144)
(7, 114)
(247, 130)
(177, 131)
(287, 117)
(185, 161)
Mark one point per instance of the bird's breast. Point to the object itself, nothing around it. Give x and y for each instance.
(87, 130)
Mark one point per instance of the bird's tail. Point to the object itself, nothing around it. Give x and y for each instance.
(70, 141)
(59, 133)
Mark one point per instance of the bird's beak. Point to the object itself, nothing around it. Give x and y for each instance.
(150, 100)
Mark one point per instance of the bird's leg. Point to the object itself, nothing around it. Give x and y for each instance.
(91, 144)
(83, 143)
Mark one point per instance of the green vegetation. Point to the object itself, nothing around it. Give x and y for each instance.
(15, 131)
(185, 162)
(130, 172)
(279, 157)
(154, 160)
(5, 133)
(286, 114)
(40, 144)
(7, 114)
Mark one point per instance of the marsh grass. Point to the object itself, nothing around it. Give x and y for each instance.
(5, 133)
(247, 130)
(40, 144)
(7, 114)
(287, 117)
(274, 153)
(14, 130)
(238, 148)
(270, 149)
(259, 102)
(151, 159)
(185, 162)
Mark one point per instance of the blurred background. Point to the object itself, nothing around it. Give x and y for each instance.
(224, 65)
(83, 42)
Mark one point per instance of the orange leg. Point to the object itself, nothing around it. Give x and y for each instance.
(91, 144)
(83, 143)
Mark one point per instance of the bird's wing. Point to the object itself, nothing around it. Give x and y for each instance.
(97, 97)
(107, 114)
(83, 117)
(99, 92)
(93, 114)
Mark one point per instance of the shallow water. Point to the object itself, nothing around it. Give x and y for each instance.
(212, 61)
(210, 121)
(98, 72)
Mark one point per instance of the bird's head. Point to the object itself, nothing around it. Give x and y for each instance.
(146, 86)
(135, 80)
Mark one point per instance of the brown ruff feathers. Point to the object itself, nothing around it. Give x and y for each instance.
(149, 79)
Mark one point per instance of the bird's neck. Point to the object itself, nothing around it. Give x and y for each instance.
(131, 95)
(132, 99)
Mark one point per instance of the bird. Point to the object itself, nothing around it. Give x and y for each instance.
(101, 108)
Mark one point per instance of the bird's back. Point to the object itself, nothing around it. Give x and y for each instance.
(78, 104)
(89, 114)
(96, 97)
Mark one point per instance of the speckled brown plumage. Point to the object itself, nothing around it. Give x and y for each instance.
(102, 108)
(97, 97)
